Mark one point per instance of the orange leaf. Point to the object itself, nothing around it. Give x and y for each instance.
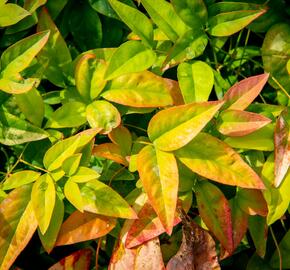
(159, 176)
(79, 260)
(241, 94)
(84, 226)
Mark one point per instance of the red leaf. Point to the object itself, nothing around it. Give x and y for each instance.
(79, 260)
(197, 250)
(215, 211)
(282, 147)
(84, 226)
(147, 227)
(241, 95)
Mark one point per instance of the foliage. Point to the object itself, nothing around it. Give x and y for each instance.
(144, 135)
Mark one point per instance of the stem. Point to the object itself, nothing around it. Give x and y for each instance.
(115, 175)
(243, 53)
(277, 247)
(33, 166)
(143, 142)
(97, 252)
(18, 160)
(280, 86)
(141, 129)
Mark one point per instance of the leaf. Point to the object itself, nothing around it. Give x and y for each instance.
(20, 87)
(130, 15)
(215, 211)
(282, 147)
(19, 56)
(71, 164)
(19, 179)
(14, 130)
(17, 225)
(11, 14)
(252, 202)
(259, 231)
(123, 138)
(276, 55)
(240, 123)
(164, 16)
(284, 248)
(33, 5)
(215, 160)
(85, 226)
(146, 227)
(227, 18)
(196, 81)
(261, 139)
(159, 176)
(143, 89)
(79, 260)
(71, 114)
(193, 13)
(89, 76)
(83, 175)
(197, 250)
(27, 102)
(110, 151)
(277, 198)
(43, 200)
(55, 56)
(100, 199)
(81, 27)
(132, 56)
(183, 122)
(103, 115)
(73, 194)
(241, 94)
(48, 239)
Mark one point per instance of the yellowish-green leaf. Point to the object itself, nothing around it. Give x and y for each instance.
(11, 14)
(71, 164)
(17, 225)
(83, 175)
(159, 176)
(73, 194)
(43, 200)
(20, 87)
(19, 179)
(215, 160)
(173, 128)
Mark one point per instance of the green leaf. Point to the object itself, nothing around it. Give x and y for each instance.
(284, 248)
(215, 211)
(122, 137)
(276, 54)
(227, 18)
(19, 56)
(99, 198)
(193, 13)
(103, 115)
(282, 147)
(85, 226)
(143, 89)
(43, 200)
(214, 159)
(48, 239)
(89, 76)
(17, 225)
(165, 17)
(259, 231)
(19, 87)
(183, 122)
(33, 5)
(261, 140)
(11, 14)
(27, 102)
(132, 56)
(159, 176)
(243, 93)
(73, 194)
(71, 114)
(19, 179)
(130, 16)
(55, 56)
(196, 81)
(71, 164)
(14, 130)
(83, 175)
(277, 198)
(240, 123)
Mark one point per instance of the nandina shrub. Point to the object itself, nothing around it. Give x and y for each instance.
(139, 135)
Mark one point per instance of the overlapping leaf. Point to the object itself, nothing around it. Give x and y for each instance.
(159, 176)
(213, 159)
(173, 128)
